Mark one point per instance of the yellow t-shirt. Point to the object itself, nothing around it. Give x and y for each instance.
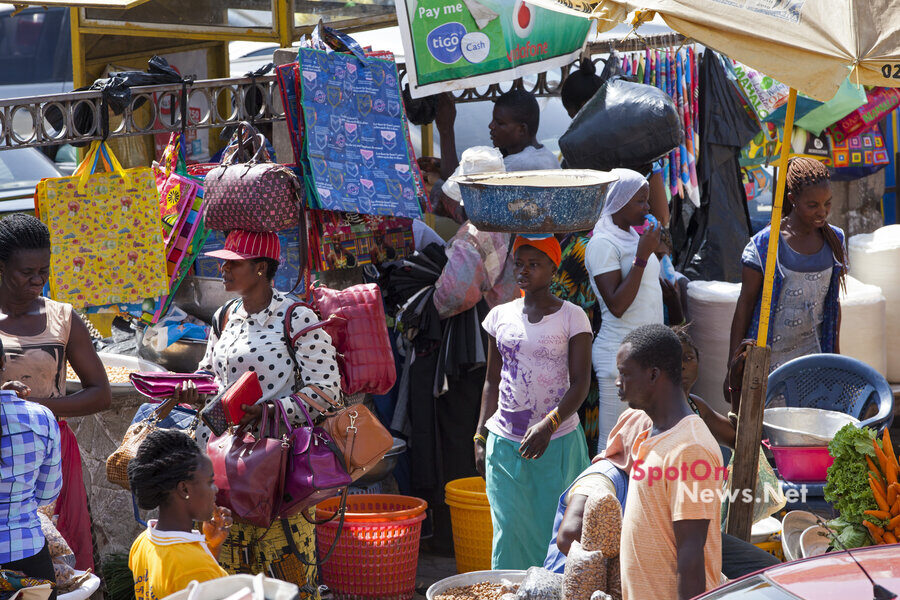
(686, 465)
(165, 562)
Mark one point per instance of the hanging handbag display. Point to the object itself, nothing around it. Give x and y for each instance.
(249, 472)
(358, 434)
(314, 470)
(253, 195)
(117, 463)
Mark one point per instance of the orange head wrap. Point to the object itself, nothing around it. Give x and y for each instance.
(546, 244)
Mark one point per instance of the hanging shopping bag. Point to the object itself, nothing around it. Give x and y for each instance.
(106, 232)
(355, 152)
(177, 190)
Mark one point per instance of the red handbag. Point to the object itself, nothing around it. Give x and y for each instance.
(359, 334)
(249, 472)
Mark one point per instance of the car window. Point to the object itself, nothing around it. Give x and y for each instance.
(24, 167)
(752, 588)
(34, 46)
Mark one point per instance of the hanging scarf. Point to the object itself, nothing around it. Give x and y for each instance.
(620, 193)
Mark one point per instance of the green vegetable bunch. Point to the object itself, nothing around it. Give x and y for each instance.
(847, 485)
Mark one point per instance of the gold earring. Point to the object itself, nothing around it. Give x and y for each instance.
(186, 496)
(259, 273)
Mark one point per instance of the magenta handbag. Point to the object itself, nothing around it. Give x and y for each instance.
(253, 195)
(249, 472)
(315, 468)
(162, 385)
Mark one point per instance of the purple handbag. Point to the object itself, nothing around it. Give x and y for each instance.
(253, 195)
(314, 470)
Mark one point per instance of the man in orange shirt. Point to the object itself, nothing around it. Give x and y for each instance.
(671, 541)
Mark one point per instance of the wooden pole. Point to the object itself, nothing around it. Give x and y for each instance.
(756, 369)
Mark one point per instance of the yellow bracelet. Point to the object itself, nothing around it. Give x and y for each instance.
(553, 415)
(480, 438)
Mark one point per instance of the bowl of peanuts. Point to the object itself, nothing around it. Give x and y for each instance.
(118, 367)
(476, 585)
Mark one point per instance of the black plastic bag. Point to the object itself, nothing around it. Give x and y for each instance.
(625, 124)
(116, 93)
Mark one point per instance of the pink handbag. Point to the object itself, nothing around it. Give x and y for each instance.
(162, 385)
(254, 195)
(360, 336)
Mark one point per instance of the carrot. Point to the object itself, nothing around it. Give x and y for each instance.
(889, 538)
(880, 500)
(879, 454)
(891, 495)
(872, 468)
(893, 523)
(895, 510)
(890, 475)
(896, 488)
(889, 448)
(876, 531)
(879, 514)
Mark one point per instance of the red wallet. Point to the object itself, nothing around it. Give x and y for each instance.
(225, 410)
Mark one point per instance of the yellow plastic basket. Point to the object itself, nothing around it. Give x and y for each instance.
(773, 548)
(470, 517)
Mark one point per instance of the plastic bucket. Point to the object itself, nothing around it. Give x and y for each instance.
(801, 463)
(470, 517)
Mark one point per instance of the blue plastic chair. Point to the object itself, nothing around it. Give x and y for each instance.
(833, 382)
(830, 382)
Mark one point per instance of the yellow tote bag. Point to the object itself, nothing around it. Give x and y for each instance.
(106, 233)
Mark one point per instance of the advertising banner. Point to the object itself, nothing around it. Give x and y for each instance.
(458, 44)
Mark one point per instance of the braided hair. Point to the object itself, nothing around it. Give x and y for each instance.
(804, 173)
(22, 232)
(163, 460)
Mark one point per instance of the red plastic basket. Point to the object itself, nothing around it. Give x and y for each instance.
(801, 463)
(377, 555)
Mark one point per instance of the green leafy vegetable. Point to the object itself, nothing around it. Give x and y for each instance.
(847, 484)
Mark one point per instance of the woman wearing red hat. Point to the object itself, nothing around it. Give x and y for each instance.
(249, 335)
(529, 444)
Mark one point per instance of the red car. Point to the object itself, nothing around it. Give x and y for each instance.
(832, 576)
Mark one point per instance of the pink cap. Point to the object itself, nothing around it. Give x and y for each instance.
(246, 245)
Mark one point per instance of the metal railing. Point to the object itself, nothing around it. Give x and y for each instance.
(76, 116)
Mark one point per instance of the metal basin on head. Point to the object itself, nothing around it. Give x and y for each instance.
(552, 201)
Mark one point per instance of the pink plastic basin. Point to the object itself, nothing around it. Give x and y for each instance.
(801, 463)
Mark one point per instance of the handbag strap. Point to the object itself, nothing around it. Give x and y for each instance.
(341, 42)
(163, 410)
(341, 513)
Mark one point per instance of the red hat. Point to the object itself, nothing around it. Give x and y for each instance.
(246, 245)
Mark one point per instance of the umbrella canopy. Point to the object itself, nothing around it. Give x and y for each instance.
(810, 45)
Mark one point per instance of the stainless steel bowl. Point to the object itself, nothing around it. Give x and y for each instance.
(181, 357)
(201, 297)
(384, 467)
(787, 426)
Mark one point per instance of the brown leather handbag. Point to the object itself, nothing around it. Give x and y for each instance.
(358, 434)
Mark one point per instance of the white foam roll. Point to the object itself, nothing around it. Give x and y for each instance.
(711, 306)
(875, 260)
(863, 334)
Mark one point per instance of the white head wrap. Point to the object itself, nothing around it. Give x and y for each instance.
(619, 194)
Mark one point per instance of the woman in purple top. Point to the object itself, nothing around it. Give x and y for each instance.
(529, 444)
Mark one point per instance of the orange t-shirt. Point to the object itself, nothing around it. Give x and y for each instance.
(648, 554)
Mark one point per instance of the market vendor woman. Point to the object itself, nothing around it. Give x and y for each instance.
(809, 271)
(529, 443)
(249, 335)
(40, 335)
